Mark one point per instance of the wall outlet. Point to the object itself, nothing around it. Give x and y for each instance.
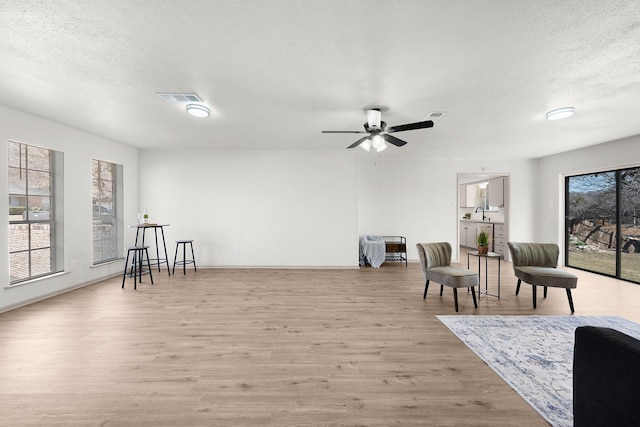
(236, 249)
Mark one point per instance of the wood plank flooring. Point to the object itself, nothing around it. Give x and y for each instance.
(252, 347)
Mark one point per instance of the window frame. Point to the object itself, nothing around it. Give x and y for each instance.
(114, 219)
(51, 223)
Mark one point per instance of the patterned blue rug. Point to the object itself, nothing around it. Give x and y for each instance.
(533, 354)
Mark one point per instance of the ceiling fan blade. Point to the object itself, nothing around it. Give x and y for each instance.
(393, 140)
(358, 142)
(343, 131)
(411, 126)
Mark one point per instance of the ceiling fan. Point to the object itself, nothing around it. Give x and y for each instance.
(379, 132)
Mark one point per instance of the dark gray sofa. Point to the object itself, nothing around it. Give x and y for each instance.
(606, 378)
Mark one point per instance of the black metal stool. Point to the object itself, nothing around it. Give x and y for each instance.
(184, 261)
(136, 265)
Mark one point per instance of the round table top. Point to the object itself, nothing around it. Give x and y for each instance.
(488, 254)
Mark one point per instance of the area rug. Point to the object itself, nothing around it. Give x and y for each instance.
(533, 354)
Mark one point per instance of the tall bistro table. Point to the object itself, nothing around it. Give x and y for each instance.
(144, 227)
(486, 257)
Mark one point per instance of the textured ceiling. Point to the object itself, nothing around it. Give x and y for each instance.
(276, 73)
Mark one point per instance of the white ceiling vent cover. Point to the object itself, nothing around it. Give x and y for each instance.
(180, 97)
(434, 116)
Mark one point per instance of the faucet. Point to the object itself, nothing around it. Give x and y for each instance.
(480, 207)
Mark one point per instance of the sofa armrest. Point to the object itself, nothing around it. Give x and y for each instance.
(606, 377)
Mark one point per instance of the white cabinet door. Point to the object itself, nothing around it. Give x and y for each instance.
(496, 192)
(468, 234)
(467, 229)
(463, 196)
(472, 195)
(498, 239)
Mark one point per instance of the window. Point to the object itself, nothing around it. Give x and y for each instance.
(603, 231)
(105, 202)
(35, 212)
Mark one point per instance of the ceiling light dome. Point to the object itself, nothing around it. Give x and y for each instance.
(366, 144)
(378, 143)
(197, 110)
(560, 113)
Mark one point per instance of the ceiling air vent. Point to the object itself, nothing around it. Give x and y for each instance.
(180, 97)
(435, 115)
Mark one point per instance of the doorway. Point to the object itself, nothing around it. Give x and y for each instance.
(483, 199)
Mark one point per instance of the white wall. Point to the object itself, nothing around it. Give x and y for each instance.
(418, 198)
(292, 209)
(611, 155)
(79, 149)
(307, 209)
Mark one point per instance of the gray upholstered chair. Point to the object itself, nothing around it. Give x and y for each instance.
(535, 263)
(435, 259)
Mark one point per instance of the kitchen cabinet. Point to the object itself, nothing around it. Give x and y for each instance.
(499, 239)
(496, 192)
(468, 195)
(468, 234)
(472, 195)
(463, 233)
(495, 230)
(462, 194)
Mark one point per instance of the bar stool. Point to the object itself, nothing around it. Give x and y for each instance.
(184, 261)
(144, 227)
(136, 265)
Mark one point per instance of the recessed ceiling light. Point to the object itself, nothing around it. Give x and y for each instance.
(560, 113)
(198, 110)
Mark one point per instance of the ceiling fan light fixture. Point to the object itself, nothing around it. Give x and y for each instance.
(366, 144)
(560, 113)
(197, 110)
(374, 117)
(379, 133)
(378, 143)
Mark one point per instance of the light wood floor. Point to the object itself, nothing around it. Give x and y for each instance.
(222, 347)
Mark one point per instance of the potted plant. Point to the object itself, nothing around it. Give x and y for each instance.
(482, 239)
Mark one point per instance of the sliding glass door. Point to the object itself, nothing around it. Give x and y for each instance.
(629, 224)
(603, 233)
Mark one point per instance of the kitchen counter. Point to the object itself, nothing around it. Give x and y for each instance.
(498, 221)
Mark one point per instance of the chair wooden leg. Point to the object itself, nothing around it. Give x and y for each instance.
(473, 293)
(534, 296)
(570, 300)
(545, 291)
(455, 297)
(441, 289)
(518, 286)
(426, 286)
